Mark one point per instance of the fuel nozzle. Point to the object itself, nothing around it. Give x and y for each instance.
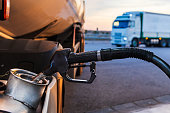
(62, 60)
(58, 63)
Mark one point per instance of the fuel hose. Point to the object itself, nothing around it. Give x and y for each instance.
(119, 53)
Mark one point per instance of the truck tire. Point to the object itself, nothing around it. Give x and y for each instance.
(148, 43)
(135, 43)
(163, 43)
(168, 44)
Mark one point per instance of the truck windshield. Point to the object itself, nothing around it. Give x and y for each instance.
(121, 24)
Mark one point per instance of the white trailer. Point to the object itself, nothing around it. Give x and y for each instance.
(134, 28)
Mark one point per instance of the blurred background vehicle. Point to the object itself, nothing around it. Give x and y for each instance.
(134, 28)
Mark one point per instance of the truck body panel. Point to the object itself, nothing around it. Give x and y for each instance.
(156, 25)
(44, 17)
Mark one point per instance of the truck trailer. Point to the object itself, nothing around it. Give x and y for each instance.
(135, 28)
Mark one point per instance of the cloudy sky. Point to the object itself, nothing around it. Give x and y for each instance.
(101, 13)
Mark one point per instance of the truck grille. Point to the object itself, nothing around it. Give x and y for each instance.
(118, 37)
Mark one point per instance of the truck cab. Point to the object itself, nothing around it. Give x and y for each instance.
(125, 28)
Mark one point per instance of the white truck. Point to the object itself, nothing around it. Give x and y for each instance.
(134, 28)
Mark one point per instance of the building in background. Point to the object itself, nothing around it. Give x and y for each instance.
(97, 35)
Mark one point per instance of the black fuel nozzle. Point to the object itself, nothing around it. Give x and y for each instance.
(58, 63)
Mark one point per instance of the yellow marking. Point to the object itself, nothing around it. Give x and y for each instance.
(160, 38)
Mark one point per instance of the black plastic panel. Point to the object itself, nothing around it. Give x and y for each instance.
(32, 55)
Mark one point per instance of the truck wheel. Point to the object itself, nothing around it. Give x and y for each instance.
(163, 43)
(168, 44)
(135, 43)
(148, 43)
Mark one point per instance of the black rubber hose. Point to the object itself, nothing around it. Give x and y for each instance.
(82, 57)
(120, 53)
(110, 54)
(161, 64)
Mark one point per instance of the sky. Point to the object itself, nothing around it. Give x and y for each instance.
(101, 13)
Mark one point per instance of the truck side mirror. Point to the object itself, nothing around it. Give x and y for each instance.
(4, 9)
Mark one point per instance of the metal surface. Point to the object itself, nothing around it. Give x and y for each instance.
(23, 89)
(55, 16)
(38, 77)
(10, 105)
(53, 102)
(99, 56)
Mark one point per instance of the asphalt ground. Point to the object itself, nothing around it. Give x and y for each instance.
(117, 82)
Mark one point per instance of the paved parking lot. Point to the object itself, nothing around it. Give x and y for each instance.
(153, 105)
(118, 82)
